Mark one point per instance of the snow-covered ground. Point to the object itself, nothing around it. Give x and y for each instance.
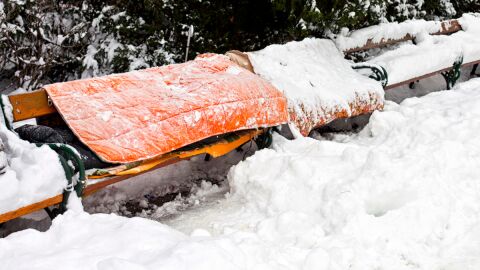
(401, 194)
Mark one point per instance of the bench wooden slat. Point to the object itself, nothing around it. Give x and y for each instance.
(448, 27)
(388, 87)
(31, 105)
(31, 208)
(216, 149)
(89, 190)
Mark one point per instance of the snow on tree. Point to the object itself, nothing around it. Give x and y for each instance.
(45, 41)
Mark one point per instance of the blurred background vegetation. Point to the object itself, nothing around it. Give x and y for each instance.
(45, 41)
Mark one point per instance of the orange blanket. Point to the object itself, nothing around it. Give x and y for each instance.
(142, 114)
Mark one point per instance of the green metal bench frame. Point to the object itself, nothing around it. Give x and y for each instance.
(71, 162)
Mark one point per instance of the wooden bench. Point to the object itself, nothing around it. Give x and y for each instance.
(446, 56)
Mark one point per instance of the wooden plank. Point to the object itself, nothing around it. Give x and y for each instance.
(447, 27)
(92, 188)
(89, 190)
(31, 208)
(370, 44)
(31, 105)
(471, 63)
(389, 87)
(216, 149)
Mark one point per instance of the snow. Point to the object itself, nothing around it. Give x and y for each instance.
(3, 159)
(403, 63)
(315, 78)
(401, 194)
(470, 22)
(469, 37)
(34, 173)
(7, 112)
(116, 243)
(393, 30)
(89, 62)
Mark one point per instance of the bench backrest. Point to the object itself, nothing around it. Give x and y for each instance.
(446, 28)
(31, 105)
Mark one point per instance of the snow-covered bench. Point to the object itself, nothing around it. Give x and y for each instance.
(319, 84)
(111, 128)
(422, 49)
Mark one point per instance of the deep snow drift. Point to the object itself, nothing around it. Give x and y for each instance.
(402, 194)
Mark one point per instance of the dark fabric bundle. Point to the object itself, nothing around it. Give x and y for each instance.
(44, 134)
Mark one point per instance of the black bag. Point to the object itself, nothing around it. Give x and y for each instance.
(44, 134)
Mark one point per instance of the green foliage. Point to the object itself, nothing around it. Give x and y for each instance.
(43, 41)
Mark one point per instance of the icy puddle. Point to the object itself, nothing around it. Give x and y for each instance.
(402, 194)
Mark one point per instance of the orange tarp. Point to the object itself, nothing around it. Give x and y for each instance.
(142, 114)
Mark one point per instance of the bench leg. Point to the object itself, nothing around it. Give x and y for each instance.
(412, 84)
(453, 75)
(474, 71)
(53, 213)
(449, 80)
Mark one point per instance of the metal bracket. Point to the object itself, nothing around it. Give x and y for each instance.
(65, 154)
(453, 74)
(378, 72)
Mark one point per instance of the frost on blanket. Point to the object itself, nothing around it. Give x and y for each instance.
(319, 83)
(142, 114)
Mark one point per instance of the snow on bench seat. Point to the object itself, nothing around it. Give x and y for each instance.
(469, 38)
(432, 53)
(319, 83)
(411, 61)
(385, 32)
